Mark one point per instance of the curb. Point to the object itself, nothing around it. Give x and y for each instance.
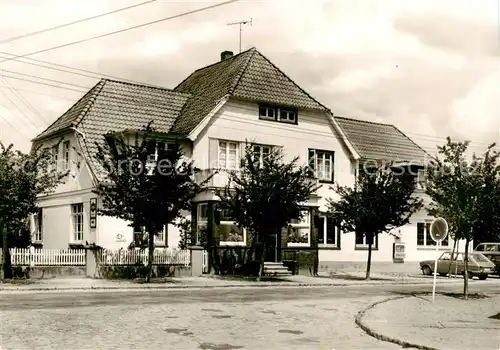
(369, 331)
(253, 285)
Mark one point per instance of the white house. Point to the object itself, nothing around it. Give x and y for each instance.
(214, 112)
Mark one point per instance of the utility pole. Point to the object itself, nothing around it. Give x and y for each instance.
(240, 23)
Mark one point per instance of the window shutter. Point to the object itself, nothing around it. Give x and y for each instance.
(213, 156)
(330, 231)
(165, 235)
(312, 159)
(320, 225)
(241, 154)
(332, 165)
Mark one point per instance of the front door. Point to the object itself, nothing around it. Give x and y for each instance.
(271, 249)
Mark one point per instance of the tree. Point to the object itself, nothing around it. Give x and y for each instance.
(466, 193)
(188, 237)
(146, 190)
(381, 200)
(264, 197)
(23, 177)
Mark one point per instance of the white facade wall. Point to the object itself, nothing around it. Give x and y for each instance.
(236, 121)
(239, 121)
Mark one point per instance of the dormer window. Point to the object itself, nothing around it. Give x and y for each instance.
(278, 114)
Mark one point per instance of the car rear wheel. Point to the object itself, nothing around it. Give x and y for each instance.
(427, 270)
(470, 275)
(483, 277)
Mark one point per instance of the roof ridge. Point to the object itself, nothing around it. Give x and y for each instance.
(292, 81)
(91, 90)
(151, 86)
(242, 71)
(89, 105)
(211, 65)
(363, 121)
(416, 144)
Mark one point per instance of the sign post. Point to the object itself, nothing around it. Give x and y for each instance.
(438, 232)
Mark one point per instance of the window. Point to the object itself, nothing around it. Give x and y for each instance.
(420, 179)
(141, 236)
(154, 150)
(77, 218)
(362, 242)
(66, 155)
(299, 231)
(55, 157)
(321, 162)
(279, 114)
(38, 234)
(161, 237)
(261, 152)
(229, 232)
(228, 155)
(328, 231)
(424, 236)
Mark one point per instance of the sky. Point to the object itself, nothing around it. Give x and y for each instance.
(431, 68)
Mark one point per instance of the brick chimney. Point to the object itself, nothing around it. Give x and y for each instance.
(226, 54)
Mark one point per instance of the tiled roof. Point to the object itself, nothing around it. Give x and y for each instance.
(379, 141)
(74, 114)
(113, 106)
(248, 75)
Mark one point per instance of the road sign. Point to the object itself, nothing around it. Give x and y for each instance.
(438, 232)
(439, 229)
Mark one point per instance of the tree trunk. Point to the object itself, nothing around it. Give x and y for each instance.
(466, 270)
(151, 247)
(369, 263)
(6, 266)
(456, 265)
(451, 259)
(262, 257)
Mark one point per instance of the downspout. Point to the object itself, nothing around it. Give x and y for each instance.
(88, 165)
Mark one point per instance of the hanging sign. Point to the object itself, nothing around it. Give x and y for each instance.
(93, 212)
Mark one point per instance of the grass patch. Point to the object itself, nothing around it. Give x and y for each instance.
(18, 281)
(251, 278)
(495, 317)
(349, 277)
(471, 296)
(155, 280)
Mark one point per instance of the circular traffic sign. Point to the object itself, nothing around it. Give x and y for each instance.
(439, 229)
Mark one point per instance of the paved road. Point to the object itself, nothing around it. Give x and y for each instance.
(219, 319)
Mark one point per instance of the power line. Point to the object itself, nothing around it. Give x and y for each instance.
(26, 102)
(47, 79)
(19, 110)
(94, 76)
(123, 30)
(13, 127)
(36, 93)
(72, 23)
(144, 102)
(46, 84)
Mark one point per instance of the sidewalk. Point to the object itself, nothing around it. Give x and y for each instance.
(206, 282)
(449, 323)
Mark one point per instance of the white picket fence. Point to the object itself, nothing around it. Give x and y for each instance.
(161, 256)
(77, 257)
(47, 257)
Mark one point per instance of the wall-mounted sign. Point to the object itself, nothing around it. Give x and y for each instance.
(93, 212)
(120, 238)
(399, 251)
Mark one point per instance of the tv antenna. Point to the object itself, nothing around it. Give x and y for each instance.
(240, 23)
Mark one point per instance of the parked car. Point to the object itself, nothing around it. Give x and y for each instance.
(479, 265)
(492, 252)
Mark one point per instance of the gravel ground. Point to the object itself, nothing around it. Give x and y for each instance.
(449, 323)
(291, 324)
